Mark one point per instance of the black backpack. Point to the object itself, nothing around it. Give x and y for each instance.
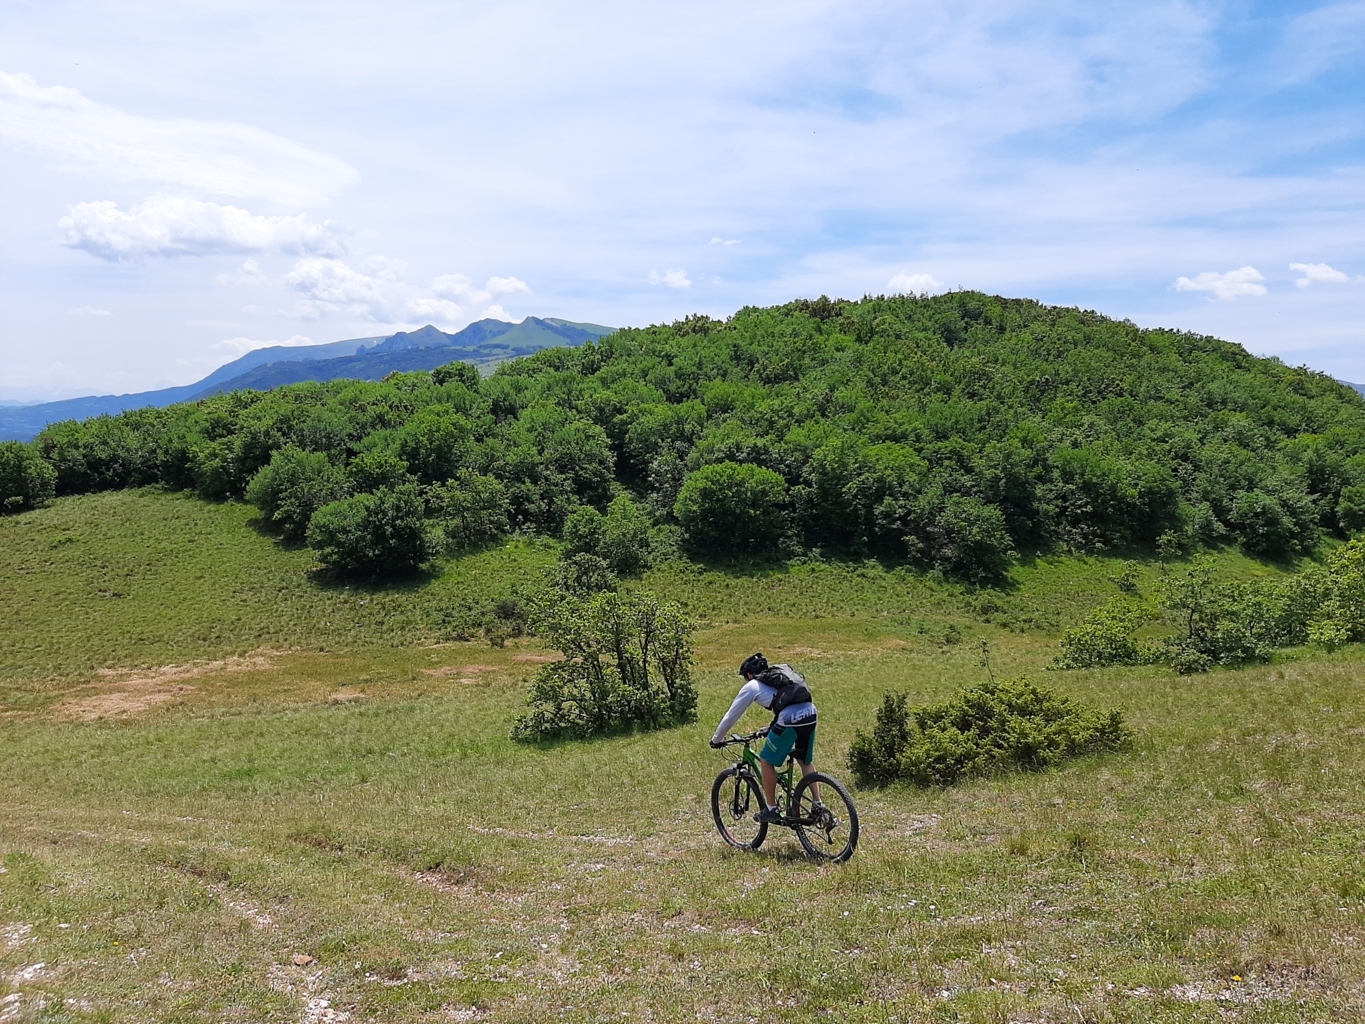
(790, 686)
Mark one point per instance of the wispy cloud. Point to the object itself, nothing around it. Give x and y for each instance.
(90, 311)
(1322, 273)
(1233, 284)
(724, 241)
(213, 158)
(671, 278)
(170, 226)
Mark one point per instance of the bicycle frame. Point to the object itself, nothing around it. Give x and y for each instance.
(752, 764)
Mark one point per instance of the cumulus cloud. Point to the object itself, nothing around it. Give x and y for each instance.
(378, 292)
(459, 288)
(329, 284)
(220, 158)
(672, 278)
(1231, 285)
(434, 310)
(914, 284)
(1322, 273)
(241, 346)
(170, 226)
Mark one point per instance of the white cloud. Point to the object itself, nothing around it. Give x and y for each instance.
(914, 284)
(220, 158)
(1232, 285)
(170, 226)
(249, 272)
(378, 292)
(497, 313)
(725, 241)
(241, 346)
(672, 278)
(459, 288)
(432, 310)
(497, 286)
(91, 311)
(1319, 272)
(329, 284)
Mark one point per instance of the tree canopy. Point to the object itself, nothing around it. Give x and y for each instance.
(947, 431)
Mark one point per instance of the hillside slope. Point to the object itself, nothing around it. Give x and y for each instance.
(947, 432)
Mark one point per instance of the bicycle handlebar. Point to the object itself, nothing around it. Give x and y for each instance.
(745, 739)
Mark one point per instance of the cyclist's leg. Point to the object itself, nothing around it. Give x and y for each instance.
(775, 750)
(769, 783)
(804, 753)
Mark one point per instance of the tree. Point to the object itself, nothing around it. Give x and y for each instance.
(627, 661)
(472, 510)
(292, 486)
(620, 538)
(733, 508)
(435, 443)
(372, 535)
(26, 479)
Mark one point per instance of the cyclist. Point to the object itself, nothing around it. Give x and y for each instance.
(782, 691)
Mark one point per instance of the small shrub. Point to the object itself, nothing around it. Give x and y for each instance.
(372, 535)
(980, 731)
(1105, 638)
(876, 759)
(27, 481)
(627, 660)
(292, 486)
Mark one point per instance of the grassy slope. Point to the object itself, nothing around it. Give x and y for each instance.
(349, 794)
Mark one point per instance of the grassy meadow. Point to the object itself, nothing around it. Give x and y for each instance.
(232, 792)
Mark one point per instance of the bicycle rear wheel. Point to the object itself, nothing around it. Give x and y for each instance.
(735, 799)
(834, 836)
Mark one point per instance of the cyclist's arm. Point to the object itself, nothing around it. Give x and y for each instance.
(748, 693)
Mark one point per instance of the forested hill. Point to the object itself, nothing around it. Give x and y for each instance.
(949, 431)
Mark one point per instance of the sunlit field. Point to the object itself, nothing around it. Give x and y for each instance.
(232, 791)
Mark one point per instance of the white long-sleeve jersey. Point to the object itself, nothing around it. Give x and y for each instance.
(754, 692)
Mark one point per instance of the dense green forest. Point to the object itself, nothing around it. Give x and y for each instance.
(950, 432)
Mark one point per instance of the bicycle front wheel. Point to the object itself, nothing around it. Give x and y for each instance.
(833, 836)
(735, 799)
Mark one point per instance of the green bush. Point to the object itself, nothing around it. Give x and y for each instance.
(620, 538)
(980, 731)
(292, 486)
(471, 509)
(1105, 638)
(376, 469)
(733, 508)
(27, 481)
(372, 535)
(626, 664)
(959, 536)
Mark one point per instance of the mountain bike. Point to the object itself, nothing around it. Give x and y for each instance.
(829, 832)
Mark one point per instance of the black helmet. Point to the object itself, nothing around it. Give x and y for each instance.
(753, 665)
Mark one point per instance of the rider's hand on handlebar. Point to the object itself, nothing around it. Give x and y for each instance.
(717, 744)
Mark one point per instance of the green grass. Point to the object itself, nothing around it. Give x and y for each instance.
(350, 795)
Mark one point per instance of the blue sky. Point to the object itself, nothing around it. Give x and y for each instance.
(184, 182)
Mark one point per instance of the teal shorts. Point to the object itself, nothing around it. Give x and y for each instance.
(797, 740)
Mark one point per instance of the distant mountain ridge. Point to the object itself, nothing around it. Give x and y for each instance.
(484, 343)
